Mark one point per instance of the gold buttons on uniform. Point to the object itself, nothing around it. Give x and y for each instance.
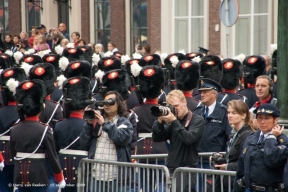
(20, 172)
(27, 172)
(64, 157)
(65, 168)
(65, 178)
(29, 161)
(73, 178)
(74, 157)
(73, 168)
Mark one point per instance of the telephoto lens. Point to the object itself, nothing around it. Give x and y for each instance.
(158, 111)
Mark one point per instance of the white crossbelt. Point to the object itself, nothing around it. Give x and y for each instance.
(5, 138)
(73, 152)
(143, 136)
(31, 156)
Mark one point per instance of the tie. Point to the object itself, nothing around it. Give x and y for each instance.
(206, 112)
(261, 139)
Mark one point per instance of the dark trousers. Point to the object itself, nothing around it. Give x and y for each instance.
(6, 178)
(32, 189)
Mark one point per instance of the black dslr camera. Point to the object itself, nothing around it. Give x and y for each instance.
(218, 159)
(158, 111)
(90, 114)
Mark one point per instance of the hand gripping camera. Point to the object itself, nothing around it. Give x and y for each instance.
(90, 114)
(158, 111)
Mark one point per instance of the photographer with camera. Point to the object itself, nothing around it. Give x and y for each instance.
(184, 129)
(107, 137)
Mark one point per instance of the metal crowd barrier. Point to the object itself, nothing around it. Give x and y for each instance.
(96, 175)
(189, 178)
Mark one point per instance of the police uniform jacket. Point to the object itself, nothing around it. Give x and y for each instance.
(250, 94)
(217, 129)
(25, 137)
(50, 106)
(8, 117)
(120, 134)
(262, 163)
(144, 125)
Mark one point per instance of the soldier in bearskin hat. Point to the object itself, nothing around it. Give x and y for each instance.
(187, 76)
(151, 81)
(232, 75)
(211, 67)
(73, 53)
(87, 53)
(254, 66)
(117, 80)
(31, 59)
(10, 78)
(46, 73)
(29, 156)
(78, 96)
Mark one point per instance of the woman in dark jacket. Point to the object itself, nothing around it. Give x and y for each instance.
(240, 119)
(7, 43)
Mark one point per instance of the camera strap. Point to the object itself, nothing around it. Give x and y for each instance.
(188, 119)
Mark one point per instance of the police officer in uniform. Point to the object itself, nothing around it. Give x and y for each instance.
(254, 66)
(217, 128)
(31, 140)
(261, 163)
(232, 74)
(10, 78)
(67, 132)
(187, 76)
(52, 111)
(211, 67)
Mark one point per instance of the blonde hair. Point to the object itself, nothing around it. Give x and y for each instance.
(176, 93)
(100, 47)
(64, 41)
(242, 108)
(25, 35)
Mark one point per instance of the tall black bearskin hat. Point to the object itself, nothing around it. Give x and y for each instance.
(106, 64)
(192, 55)
(8, 59)
(187, 75)
(274, 59)
(53, 59)
(31, 59)
(151, 81)
(171, 61)
(211, 67)
(153, 59)
(46, 73)
(73, 54)
(31, 94)
(88, 52)
(78, 68)
(129, 63)
(79, 91)
(117, 55)
(232, 73)
(254, 66)
(3, 64)
(11, 78)
(117, 80)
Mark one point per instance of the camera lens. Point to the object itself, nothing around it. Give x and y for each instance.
(158, 111)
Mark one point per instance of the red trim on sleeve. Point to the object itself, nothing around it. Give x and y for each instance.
(76, 115)
(59, 177)
(1, 157)
(32, 118)
(151, 101)
(12, 103)
(251, 85)
(48, 97)
(132, 88)
(173, 82)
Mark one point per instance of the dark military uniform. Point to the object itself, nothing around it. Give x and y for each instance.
(235, 96)
(65, 133)
(25, 137)
(50, 106)
(217, 129)
(250, 94)
(191, 102)
(132, 101)
(144, 129)
(133, 118)
(57, 95)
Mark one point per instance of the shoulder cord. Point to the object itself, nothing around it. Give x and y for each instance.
(9, 128)
(21, 158)
(71, 143)
(223, 98)
(94, 86)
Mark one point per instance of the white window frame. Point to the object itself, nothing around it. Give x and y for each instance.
(189, 17)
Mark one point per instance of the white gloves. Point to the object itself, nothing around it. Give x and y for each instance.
(2, 166)
(62, 184)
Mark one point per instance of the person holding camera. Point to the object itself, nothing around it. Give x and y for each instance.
(240, 118)
(264, 155)
(184, 129)
(107, 137)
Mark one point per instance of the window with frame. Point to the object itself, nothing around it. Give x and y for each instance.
(188, 25)
(33, 10)
(138, 23)
(63, 13)
(102, 22)
(251, 29)
(4, 16)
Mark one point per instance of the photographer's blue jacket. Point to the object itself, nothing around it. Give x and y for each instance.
(120, 134)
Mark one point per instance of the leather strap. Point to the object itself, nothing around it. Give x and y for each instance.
(188, 119)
